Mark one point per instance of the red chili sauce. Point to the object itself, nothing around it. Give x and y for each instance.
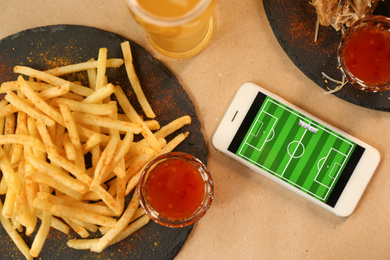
(175, 188)
(367, 55)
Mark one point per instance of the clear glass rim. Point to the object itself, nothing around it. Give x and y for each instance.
(356, 82)
(179, 222)
(139, 11)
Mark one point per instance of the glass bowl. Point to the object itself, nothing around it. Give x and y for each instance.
(175, 189)
(364, 54)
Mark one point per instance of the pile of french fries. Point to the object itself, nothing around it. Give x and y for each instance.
(47, 127)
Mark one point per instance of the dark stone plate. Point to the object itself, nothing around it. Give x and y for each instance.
(47, 47)
(293, 23)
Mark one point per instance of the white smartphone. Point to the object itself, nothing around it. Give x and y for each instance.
(297, 150)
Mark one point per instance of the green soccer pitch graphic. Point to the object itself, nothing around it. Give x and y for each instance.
(296, 149)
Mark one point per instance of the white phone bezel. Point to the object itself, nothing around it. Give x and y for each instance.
(238, 109)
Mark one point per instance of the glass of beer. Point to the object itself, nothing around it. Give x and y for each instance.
(175, 28)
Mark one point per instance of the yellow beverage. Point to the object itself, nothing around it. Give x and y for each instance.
(176, 28)
(168, 8)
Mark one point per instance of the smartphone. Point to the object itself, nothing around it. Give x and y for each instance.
(295, 149)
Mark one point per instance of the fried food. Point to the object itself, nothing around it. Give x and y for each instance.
(337, 13)
(47, 125)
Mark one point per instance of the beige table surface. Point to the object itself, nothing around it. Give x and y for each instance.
(251, 217)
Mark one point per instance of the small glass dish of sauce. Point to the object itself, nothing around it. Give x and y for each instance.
(364, 54)
(175, 189)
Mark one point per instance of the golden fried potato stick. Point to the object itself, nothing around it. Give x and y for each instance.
(82, 215)
(80, 230)
(92, 141)
(42, 234)
(22, 139)
(54, 91)
(100, 94)
(101, 68)
(15, 236)
(13, 86)
(135, 118)
(132, 75)
(29, 110)
(53, 80)
(94, 109)
(73, 135)
(67, 201)
(42, 178)
(69, 148)
(56, 223)
(72, 68)
(103, 163)
(107, 122)
(130, 229)
(60, 176)
(9, 128)
(119, 226)
(83, 244)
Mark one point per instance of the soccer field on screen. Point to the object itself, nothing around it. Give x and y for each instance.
(296, 149)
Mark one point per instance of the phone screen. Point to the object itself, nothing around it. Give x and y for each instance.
(296, 149)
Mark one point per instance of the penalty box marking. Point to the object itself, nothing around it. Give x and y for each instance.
(331, 174)
(270, 135)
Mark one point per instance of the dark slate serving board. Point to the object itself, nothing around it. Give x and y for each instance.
(47, 47)
(293, 23)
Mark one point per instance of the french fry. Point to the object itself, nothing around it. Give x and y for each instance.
(88, 226)
(69, 148)
(134, 117)
(94, 109)
(173, 126)
(92, 75)
(9, 128)
(111, 63)
(92, 141)
(130, 229)
(56, 174)
(22, 139)
(39, 102)
(14, 235)
(9, 175)
(56, 122)
(41, 236)
(119, 226)
(124, 147)
(13, 86)
(9, 203)
(73, 135)
(54, 91)
(82, 215)
(63, 200)
(101, 68)
(128, 58)
(100, 94)
(45, 179)
(3, 186)
(80, 230)
(23, 106)
(57, 224)
(24, 212)
(46, 138)
(70, 167)
(53, 80)
(107, 122)
(104, 161)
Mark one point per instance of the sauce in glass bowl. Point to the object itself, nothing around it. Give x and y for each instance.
(364, 54)
(175, 189)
